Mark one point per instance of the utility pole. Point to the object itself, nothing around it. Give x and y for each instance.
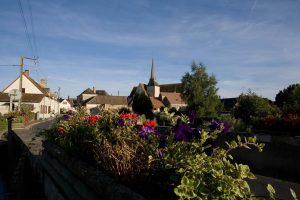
(58, 100)
(21, 80)
(21, 77)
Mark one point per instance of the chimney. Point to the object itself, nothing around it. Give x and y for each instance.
(26, 72)
(43, 83)
(94, 90)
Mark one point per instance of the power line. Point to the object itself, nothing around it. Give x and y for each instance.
(25, 26)
(32, 27)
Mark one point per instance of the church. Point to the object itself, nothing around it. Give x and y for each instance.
(165, 95)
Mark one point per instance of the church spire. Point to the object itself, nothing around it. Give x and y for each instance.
(152, 80)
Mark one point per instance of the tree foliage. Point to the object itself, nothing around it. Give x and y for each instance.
(200, 92)
(250, 105)
(289, 99)
(142, 105)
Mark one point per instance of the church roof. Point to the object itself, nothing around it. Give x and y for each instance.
(173, 97)
(156, 103)
(172, 87)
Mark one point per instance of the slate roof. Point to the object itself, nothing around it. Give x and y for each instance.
(26, 98)
(173, 97)
(88, 91)
(98, 92)
(112, 100)
(156, 103)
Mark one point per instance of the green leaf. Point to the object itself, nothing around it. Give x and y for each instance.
(185, 181)
(271, 191)
(293, 193)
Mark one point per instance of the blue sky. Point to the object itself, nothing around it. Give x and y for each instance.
(109, 44)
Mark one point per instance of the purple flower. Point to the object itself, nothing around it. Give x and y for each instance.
(121, 122)
(215, 125)
(182, 131)
(66, 117)
(226, 127)
(145, 131)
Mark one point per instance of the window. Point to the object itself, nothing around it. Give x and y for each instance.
(23, 90)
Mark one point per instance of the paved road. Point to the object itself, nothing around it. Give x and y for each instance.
(30, 135)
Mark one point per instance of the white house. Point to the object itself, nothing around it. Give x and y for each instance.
(43, 102)
(65, 105)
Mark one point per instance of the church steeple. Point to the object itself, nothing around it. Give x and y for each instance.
(152, 80)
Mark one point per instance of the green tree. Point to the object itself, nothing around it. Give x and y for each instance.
(283, 95)
(289, 99)
(200, 92)
(292, 105)
(142, 105)
(250, 105)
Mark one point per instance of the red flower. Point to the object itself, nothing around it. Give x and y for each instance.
(150, 123)
(60, 130)
(92, 119)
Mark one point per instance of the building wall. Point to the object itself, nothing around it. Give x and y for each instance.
(65, 105)
(26, 83)
(178, 106)
(46, 108)
(153, 91)
(3, 108)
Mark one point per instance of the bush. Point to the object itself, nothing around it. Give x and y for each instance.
(250, 105)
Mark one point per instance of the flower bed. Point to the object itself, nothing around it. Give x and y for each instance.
(134, 151)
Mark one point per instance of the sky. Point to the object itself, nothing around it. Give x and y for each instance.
(249, 44)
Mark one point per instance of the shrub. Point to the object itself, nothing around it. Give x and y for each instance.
(251, 105)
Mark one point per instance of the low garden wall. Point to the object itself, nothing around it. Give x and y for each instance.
(279, 159)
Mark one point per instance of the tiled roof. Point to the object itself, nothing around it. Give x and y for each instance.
(156, 103)
(174, 87)
(102, 92)
(88, 91)
(26, 98)
(173, 97)
(112, 100)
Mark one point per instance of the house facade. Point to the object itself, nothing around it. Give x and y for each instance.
(65, 105)
(44, 103)
(100, 102)
(88, 94)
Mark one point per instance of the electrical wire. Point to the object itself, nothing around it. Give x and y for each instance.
(25, 26)
(32, 28)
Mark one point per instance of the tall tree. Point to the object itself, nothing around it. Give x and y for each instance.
(200, 92)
